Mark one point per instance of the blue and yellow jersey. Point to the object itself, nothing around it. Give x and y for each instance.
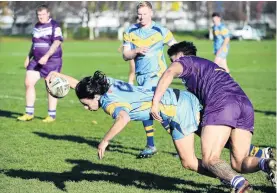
(220, 32)
(137, 102)
(154, 37)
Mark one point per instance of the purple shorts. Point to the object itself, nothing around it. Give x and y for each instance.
(232, 110)
(53, 64)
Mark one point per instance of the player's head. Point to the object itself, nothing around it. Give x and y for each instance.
(43, 13)
(90, 89)
(145, 13)
(216, 18)
(181, 49)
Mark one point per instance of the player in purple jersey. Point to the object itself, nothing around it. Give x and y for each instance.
(45, 56)
(227, 115)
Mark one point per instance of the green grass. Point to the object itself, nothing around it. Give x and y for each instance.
(62, 156)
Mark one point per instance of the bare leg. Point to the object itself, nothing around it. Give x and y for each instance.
(222, 62)
(52, 102)
(185, 149)
(240, 143)
(213, 140)
(30, 81)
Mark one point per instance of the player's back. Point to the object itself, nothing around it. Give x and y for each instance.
(136, 100)
(207, 80)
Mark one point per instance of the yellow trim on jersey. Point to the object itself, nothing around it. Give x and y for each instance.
(168, 110)
(161, 64)
(168, 37)
(126, 37)
(145, 105)
(224, 31)
(111, 107)
(216, 32)
(139, 42)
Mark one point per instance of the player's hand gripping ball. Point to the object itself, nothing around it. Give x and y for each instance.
(58, 87)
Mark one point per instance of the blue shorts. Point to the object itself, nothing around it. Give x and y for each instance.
(148, 80)
(186, 121)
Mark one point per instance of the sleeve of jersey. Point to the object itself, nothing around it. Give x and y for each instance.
(187, 68)
(225, 32)
(113, 109)
(168, 37)
(58, 33)
(126, 39)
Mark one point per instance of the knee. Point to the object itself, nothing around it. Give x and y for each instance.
(189, 164)
(240, 165)
(209, 161)
(29, 84)
(237, 166)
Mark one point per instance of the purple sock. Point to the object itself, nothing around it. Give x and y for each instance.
(29, 110)
(52, 113)
(237, 182)
(262, 164)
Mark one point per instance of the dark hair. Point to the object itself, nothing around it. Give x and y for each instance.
(42, 7)
(215, 14)
(187, 48)
(89, 86)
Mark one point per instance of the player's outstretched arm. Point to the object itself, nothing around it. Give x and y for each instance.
(121, 121)
(173, 71)
(72, 81)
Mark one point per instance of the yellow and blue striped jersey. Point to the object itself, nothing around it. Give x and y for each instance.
(154, 38)
(220, 33)
(135, 100)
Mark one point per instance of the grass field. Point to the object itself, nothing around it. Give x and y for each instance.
(62, 156)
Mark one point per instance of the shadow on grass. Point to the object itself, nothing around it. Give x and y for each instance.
(13, 115)
(266, 113)
(93, 172)
(94, 142)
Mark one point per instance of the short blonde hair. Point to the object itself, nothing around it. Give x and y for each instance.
(144, 4)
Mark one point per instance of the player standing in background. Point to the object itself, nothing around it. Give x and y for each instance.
(221, 42)
(44, 56)
(143, 42)
(228, 116)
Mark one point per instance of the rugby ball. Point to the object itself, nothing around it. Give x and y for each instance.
(58, 87)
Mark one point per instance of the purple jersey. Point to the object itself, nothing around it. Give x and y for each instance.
(207, 80)
(43, 37)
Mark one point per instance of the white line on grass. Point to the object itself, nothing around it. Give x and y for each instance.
(71, 54)
(22, 98)
(116, 54)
